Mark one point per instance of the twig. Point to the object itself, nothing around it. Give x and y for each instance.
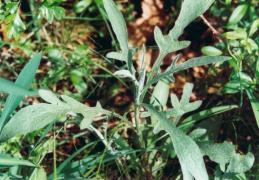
(212, 28)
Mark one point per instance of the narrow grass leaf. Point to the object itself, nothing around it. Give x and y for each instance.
(14, 89)
(255, 105)
(7, 160)
(60, 168)
(24, 80)
(191, 120)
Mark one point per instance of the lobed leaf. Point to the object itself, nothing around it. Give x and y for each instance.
(220, 153)
(239, 164)
(190, 10)
(187, 150)
(87, 112)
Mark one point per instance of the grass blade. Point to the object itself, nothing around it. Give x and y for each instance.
(24, 80)
(191, 120)
(14, 89)
(7, 160)
(255, 105)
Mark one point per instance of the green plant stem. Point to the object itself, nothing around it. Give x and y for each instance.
(55, 158)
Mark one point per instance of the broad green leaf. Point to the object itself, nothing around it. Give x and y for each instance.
(77, 80)
(217, 152)
(187, 150)
(38, 172)
(232, 87)
(254, 27)
(51, 11)
(24, 79)
(238, 14)
(32, 118)
(191, 120)
(251, 45)
(7, 160)
(211, 51)
(240, 176)
(160, 96)
(14, 89)
(80, 6)
(15, 26)
(255, 105)
(237, 34)
(37, 116)
(239, 164)
(11, 8)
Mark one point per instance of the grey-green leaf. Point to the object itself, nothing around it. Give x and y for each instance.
(239, 164)
(200, 61)
(186, 149)
(49, 96)
(190, 10)
(119, 27)
(87, 112)
(217, 152)
(31, 118)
